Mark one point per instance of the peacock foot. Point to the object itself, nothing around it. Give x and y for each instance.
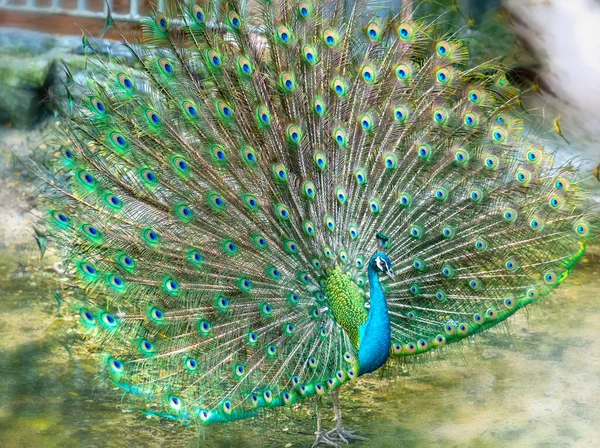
(323, 439)
(345, 435)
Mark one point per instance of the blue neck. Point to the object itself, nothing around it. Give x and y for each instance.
(375, 335)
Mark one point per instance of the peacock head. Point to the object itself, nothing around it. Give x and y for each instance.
(381, 263)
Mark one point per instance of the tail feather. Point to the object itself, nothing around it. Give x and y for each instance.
(201, 197)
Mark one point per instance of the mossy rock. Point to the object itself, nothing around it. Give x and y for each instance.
(24, 72)
(21, 107)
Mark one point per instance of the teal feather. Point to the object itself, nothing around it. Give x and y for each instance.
(204, 199)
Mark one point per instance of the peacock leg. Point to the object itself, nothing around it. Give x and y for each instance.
(345, 435)
(322, 437)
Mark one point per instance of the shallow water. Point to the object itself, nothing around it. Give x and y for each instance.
(535, 383)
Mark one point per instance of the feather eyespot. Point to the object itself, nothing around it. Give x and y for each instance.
(294, 134)
(184, 213)
(116, 366)
(491, 162)
(499, 135)
(555, 202)
(440, 116)
(550, 277)
(340, 137)
(523, 176)
(443, 49)
(405, 199)
(161, 22)
(310, 54)
(248, 155)
(511, 265)
(118, 141)
(400, 114)
(330, 38)
(245, 66)
(284, 35)
(308, 190)
(423, 151)
(234, 20)
(152, 117)
(353, 231)
(97, 106)
(166, 66)
(198, 15)
(471, 119)
(263, 117)
(373, 32)
(475, 96)
(476, 195)
(230, 248)
(374, 206)
(448, 271)
(361, 176)
(126, 262)
(60, 218)
(366, 122)
(213, 59)
(150, 236)
(148, 177)
(461, 156)
(510, 215)
(329, 223)
(260, 242)
(441, 295)
(448, 232)
(443, 76)
(368, 74)
(319, 106)
(224, 110)
(561, 184)
(582, 229)
(531, 293)
(481, 245)
(534, 155)
(108, 320)
(305, 10)
(180, 165)
(390, 160)
(204, 327)
(441, 194)
(190, 109)
(340, 195)
(339, 86)
(125, 81)
(112, 201)
(403, 72)
(405, 31)
(87, 317)
(282, 212)
(280, 172)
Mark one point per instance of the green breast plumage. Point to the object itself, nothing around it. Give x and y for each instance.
(346, 302)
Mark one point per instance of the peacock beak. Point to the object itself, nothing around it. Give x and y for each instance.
(391, 274)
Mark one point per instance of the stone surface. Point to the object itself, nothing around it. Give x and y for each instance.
(21, 107)
(24, 72)
(32, 65)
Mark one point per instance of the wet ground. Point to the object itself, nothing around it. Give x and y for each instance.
(535, 383)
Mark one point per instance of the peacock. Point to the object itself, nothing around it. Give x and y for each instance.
(267, 200)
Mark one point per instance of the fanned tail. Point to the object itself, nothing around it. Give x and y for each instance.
(202, 199)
